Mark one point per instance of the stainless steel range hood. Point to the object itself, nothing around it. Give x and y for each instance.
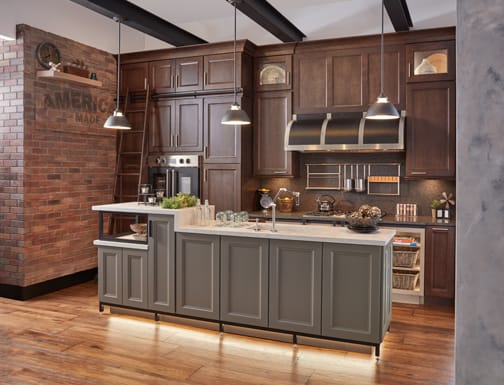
(348, 131)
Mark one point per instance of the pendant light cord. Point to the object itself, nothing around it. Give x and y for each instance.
(118, 64)
(381, 54)
(234, 54)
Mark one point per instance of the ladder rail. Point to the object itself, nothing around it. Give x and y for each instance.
(144, 138)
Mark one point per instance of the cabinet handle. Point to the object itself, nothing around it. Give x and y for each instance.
(171, 140)
(206, 152)
(176, 140)
(279, 172)
(288, 78)
(440, 229)
(205, 175)
(409, 69)
(172, 81)
(176, 81)
(145, 83)
(205, 78)
(418, 172)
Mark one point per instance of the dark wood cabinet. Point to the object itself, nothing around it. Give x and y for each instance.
(393, 75)
(430, 130)
(162, 76)
(273, 73)
(176, 75)
(244, 280)
(189, 74)
(218, 71)
(222, 185)
(346, 80)
(134, 77)
(176, 125)
(440, 261)
(222, 142)
(431, 61)
(273, 110)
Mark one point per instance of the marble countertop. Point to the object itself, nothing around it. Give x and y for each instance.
(298, 232)
(134, 208)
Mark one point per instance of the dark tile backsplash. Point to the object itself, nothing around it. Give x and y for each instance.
(421, 192)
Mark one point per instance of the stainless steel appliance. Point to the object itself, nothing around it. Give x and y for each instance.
(171, 174)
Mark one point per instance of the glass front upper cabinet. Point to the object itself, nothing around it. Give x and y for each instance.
(431, 61)
(273, 73)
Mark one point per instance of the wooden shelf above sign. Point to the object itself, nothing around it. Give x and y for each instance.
(69, 77)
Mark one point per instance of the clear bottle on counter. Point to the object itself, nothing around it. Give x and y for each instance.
(198, 213)
(206, 214)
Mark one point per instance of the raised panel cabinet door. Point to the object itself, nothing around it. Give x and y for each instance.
(440, 262)
(134, 77)
(222, 142)
(110, 275)
(244, 281)
(135, 278)
(222, 186)
(295, 286)
(197, 276)
(189, 74)
(189, 125)
(218, 71)
(162, 76)
(273, 112)
(351, 292)
(347, 79)
(161, 264)
(430, 130)
(162, 126)
(393, 75)
(311, 83)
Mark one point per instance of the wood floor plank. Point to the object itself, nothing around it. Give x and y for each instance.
(61, 338)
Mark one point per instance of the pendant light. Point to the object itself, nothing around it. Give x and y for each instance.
(235, 115)
(382, 109)
(117, 120)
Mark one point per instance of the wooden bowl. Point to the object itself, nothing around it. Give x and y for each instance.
(139, 228)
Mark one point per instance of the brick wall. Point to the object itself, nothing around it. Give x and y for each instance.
(11, 162)
(67, 162)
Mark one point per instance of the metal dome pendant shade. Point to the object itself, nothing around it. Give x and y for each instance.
(382, 109)
(117, 120)
(235, 115)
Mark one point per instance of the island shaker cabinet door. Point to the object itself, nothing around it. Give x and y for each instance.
(244, 280)
(135, 278)
(110, 275)
(161, 264)
(295, 286)
(197, 275)
(351, 293)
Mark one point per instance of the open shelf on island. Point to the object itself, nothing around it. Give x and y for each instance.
(69, 77)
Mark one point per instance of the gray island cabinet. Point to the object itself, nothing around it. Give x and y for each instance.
(311, 280)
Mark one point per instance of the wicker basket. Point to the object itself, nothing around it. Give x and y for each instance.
(405, 280)
(405, 258)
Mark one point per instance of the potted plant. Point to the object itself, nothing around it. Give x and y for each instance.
(435, 206)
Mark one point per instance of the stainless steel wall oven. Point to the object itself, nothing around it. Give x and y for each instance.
(172, 174)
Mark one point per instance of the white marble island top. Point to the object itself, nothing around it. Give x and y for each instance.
(296, 232)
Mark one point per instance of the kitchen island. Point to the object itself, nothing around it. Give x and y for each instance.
(311, 280)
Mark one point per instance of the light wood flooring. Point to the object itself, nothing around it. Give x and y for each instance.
(61, 338)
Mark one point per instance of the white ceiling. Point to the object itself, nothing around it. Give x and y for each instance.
(212, 20)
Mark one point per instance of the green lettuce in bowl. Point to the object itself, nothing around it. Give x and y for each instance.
(179, 201)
